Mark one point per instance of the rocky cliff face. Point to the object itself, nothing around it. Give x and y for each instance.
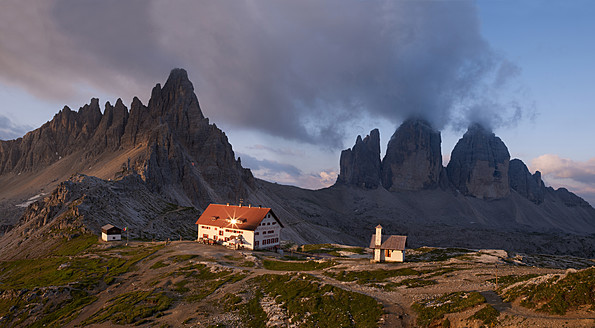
(175, 147)
(478, 165)
(413, 159)
(526, 184)
(360, 165)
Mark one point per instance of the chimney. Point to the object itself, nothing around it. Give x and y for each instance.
(378, 235)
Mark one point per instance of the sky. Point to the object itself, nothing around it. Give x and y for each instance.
(292, 83)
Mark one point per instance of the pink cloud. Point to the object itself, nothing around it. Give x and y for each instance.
(576, 176)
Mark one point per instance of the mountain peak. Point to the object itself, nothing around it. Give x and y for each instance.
(479, 164)
(413, 159)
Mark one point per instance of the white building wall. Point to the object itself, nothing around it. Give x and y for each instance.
(268, 233)
(106, 237)
(220, 234)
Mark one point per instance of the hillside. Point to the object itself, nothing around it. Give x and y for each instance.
(96, 284)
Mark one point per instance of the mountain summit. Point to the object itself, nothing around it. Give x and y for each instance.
(154, 167)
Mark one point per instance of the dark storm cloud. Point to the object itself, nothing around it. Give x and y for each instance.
(303, 70)
(268, 165)
(10, 130)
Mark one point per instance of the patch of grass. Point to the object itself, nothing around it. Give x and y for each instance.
(201, 281)
(131, 307)
(488, 315)
(434, 309)
(296, 266)
(180, 286)
(247, 264)
(252, 313)
(505, 281)
(411, 283)
(182, 258)
(231, 301)
(372, 276)
(330, 249)
(316, 305)
(557, 295)
(440, 271)
(75, 246)
(159, 264)
(431, 254)
(59, 271)
(66, 311)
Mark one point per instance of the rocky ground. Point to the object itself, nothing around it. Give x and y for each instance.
(186, 284)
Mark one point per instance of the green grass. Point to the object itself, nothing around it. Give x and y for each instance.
(252, 313)
(410, 283)
(296, 266)
(430, 254)
(557, 295)
(82, 274)
(319, 305)
(505, 281)
(65, 311)
(330, 249)
(131, 308)
(488, 315)
(75, 246)
(372, 276)
(159, 264)
(434, 309)
(182, 258)
(201, 282)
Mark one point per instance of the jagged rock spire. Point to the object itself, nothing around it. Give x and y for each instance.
(360, 165)
(479, 164)
(413, 159)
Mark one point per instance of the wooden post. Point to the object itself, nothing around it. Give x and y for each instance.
(496, 276)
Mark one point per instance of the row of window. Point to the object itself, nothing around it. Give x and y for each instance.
(233, 231)
(267, 241)
(267, 223)
(270, 241)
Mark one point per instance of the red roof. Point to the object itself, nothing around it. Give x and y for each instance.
(236, 217)
(390, 242)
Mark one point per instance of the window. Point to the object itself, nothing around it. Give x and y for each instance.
(220, 232)
(264, 232)
(387, 253)
(204, 235)
(256, 233)
(256, 243)
(274, 223)
(226, 238)
(271, 231)
(268, 223)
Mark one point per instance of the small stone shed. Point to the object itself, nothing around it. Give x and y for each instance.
(110, 232)
(388, 248)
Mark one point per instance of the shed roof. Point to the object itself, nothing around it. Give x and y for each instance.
(110, 228)
(390, 242)
(236, 217)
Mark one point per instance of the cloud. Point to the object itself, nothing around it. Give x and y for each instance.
(10, 130)
(578, 177)
(278, 151)
(288, 174)
(301, 70)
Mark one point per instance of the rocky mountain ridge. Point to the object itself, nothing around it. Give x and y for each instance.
(154, 167)
(168, 143)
